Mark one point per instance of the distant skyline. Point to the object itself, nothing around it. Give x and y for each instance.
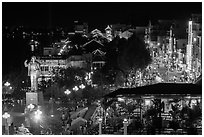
(96, 14)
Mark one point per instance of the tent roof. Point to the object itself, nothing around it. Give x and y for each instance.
(160, 88)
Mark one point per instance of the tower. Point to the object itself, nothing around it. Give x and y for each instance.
(189, 46)
(109, 33)
(171, 41)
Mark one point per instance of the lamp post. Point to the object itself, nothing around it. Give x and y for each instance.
(6, 116)
(67, 92)
(75, 88)
(31, 106)
(100, 125)
(38, 114)
(125, 124)
(7, 84)
(82, 86)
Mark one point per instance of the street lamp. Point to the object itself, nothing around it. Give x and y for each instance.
(125, 124)
(7, 84)
(31, 106)
(38, 114)
(100, 125)
(75, 88)
(82, 86)
(67, 92)
(6, 116)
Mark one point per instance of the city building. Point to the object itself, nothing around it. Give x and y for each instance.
(48, 64)
(81, 28)
(108, 31)
(193, 49)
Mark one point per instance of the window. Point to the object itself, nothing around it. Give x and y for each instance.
(46, 68)
(42, 68)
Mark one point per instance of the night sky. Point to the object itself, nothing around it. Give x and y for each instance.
(97, 15)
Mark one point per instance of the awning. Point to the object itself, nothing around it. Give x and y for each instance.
(159, 89)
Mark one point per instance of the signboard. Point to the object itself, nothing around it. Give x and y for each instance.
(34, 98)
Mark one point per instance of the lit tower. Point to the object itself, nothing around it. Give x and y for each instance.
(147, 33)
(109, 33)
(170, 49)
(189, 46)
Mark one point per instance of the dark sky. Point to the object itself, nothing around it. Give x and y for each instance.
(95, 13)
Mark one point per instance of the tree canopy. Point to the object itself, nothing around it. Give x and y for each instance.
(125, 55)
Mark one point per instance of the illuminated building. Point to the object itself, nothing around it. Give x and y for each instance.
(193, 49)
(109, 33)
(196, 42)
(97, 50)
(126, 34)
(81, 28)
(79, 61)
(48, 64)
(96, 34)
(189, 47)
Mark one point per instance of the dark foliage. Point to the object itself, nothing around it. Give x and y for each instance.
(124, 55)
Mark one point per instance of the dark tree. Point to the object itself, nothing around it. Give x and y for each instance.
(125, 56)
(134, 55)
(70, 77)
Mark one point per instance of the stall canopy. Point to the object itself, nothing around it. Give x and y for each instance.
(160, 88)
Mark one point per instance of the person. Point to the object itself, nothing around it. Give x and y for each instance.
(33, 72)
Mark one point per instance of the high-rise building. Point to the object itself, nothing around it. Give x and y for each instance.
(189, 46)
(193, 49)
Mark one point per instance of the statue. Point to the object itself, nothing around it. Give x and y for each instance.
(33, 72)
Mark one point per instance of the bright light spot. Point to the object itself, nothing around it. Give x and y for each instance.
(6, 115)
(38, 114)
(121, 99)
(82, 86)
(67, 91)
(188, 97)
(31, 106)
(10, 87)
(125, 120)
(194, 39)
(75, 88)
(100, 120)
(7, 84)
(147, 102)
(193, 101)
(52, 115)
(37, 117)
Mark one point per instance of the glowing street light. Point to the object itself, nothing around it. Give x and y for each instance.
(67, 92)
(31, 106)
(7, 84)
(38, 114)
(75, 88)
(82, 86)
(6, 116)
(100, 125)
(125, 124)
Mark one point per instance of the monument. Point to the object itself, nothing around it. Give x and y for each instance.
(34, 96)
